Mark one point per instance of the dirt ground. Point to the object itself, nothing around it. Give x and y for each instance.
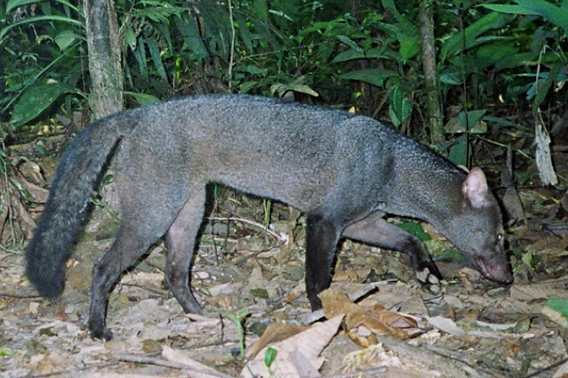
(247, 274)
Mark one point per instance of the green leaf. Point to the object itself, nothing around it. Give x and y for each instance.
(35, 100)
(414, 228)
(351, 43)
(142, 98)
(66, 39)
(510, 9)
(544, 86)
(4, 352)
(348, 55)
(140, 55)
(558, 16)
(409, 47)
(302, 88)
(269, 356)
(492, 53)
(374, 76)
(157, 58)
(31, 20)
(471, 118)
(12, 4)
(560, 307)
(399, 108)
(460, 150)
(451, 77)
(243, 30)
(456, 43)
(190, 33)
(259, 293)
(407, 27)
(261, 10)
(129, 38)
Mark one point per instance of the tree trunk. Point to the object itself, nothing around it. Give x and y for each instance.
(105, 55)
(434, 109)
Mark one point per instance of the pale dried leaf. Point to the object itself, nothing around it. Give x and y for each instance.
(309, 343)
(274, 333)
(540, 290)
(446, 325)
(542, 158)
(303, 366)
(555, 316)
(562, 371)
(114, 375)
(197, 370)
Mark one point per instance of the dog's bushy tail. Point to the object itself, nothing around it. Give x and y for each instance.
(67, 206)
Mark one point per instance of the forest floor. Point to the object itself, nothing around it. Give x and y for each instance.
(247, 274)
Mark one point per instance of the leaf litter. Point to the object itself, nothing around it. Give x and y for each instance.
(380, 323)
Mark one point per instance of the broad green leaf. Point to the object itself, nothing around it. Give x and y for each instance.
(374, 76)
(557, 310)
(66, 38)
(414, 228)
(157, 58)
(545, 85)
(140, 55)
(142, 98)
(409, 29)
(558, 16)
(460, 151)
(38, 19)
(302, 88)
(510, 9)
(243, 30)
(472, 124)
(35, 100)
(190, 32)
(492, 53)
(409, 47)
(452, 77)
(559, 304)
(399, 108)
(261, 10)
(472, 120)
(129, 38)
(348, 55)
(12, 4)
(455, 44)
(516, 60)
(349, 42)
(374, 53)
(246, 86)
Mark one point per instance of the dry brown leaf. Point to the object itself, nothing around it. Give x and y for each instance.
(274, 333)
(26, 222)
(346, 276)
(38, 193)
(377, 319)
(308, 343)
